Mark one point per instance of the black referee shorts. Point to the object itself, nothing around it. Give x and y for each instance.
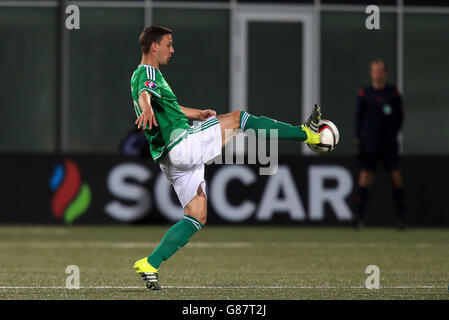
(371, 151)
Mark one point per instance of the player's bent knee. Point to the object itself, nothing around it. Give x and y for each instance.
(201, 215)
(237, 113)
(236, 117)
(197, 208)
(230, 120)
(203, 220)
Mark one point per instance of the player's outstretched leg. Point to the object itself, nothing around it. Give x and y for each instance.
(308, 132)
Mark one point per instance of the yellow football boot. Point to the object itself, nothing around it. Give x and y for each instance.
(148, 273)
(312, 137)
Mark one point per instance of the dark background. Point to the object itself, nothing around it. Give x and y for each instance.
(65, 93)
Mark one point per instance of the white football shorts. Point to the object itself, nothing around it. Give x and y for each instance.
(184, 164)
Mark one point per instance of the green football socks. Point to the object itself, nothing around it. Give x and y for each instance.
(284, 130)
(174, 239)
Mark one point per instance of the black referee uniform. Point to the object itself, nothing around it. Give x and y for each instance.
(378, 122)
(379, 119)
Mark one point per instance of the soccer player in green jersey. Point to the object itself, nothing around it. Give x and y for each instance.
(182, 150)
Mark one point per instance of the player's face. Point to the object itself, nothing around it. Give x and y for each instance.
(165, 49)
(378, 72)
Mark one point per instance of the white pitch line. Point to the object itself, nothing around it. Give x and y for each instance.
(231, 287)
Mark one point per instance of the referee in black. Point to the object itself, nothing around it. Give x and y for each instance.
(379, 118)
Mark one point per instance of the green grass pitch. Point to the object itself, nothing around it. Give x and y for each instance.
(226, 263)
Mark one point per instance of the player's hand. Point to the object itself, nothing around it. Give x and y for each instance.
(207, 114)
(147, 117)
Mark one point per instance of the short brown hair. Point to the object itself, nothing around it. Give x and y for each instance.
(150, 35)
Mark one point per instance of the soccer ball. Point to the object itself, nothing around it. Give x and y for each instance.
(329, 137)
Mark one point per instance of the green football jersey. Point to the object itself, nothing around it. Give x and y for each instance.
(172, 123)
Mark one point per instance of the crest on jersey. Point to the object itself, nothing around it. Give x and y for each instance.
(387, 109)
(150, 84)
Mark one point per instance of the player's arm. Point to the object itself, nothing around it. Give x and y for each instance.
(360, 111)
(398, 112)
(202, 115)
(147, 116)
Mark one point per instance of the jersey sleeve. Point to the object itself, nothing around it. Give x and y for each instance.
(147, 82)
